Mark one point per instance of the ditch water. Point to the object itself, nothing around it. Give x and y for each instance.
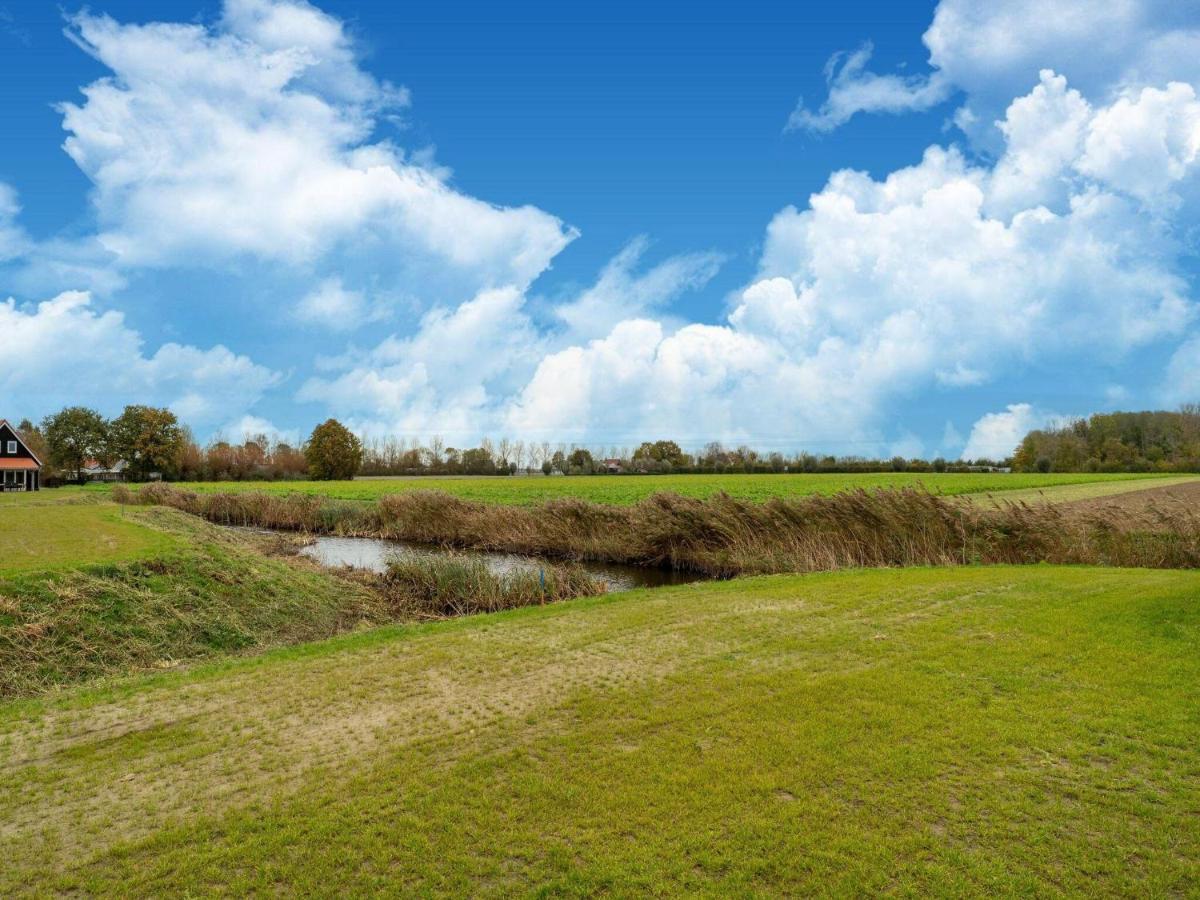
(373, 554)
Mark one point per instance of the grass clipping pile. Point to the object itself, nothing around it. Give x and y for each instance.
(724, 536)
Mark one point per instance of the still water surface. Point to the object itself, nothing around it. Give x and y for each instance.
(373, 554)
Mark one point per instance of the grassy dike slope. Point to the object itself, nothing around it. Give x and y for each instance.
(90, 589)
(976, 730)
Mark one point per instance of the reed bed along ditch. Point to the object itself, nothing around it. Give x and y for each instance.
(457, 585)
(722, 536)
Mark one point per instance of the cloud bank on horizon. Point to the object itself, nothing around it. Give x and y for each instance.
(1055, 227)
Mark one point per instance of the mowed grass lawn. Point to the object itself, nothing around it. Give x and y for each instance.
(626, 489)
(52, 529)
(985, 731)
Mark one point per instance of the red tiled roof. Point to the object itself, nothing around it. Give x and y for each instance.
(5, 423)
(26, 464)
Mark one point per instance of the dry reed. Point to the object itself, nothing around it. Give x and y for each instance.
(724, 536)
(456, 585)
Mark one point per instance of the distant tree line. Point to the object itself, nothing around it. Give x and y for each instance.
(393, 456)
(1155, 441)
(152, 443)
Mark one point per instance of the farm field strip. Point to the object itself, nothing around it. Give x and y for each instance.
(968, 731)
(629, 489)
(1092, 490)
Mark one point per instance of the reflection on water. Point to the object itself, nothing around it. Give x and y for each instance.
(373, 554)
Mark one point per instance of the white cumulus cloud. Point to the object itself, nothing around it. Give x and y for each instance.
(330, 305)
(997, 434)
(944, 273)
(253, 137)
(445, 378)
(1182, 379)
(63, 352)
(992, 52)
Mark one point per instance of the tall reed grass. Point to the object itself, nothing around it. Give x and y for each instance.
(457, 585)
(724, 536)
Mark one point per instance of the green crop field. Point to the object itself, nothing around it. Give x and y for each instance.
(977, 731)
(625, 489)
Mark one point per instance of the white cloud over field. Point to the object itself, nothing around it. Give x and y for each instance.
(988, 53)
(254, 137)
(948, 272)
(64, 352)
(996, 435)
(1057, 231)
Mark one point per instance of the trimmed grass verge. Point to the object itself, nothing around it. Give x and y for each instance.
(967, 731)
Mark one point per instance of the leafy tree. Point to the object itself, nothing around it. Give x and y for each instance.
(149, 439)
(661, 451)
(559, 461)
(191, 459)
(333, 452)
(290, 462)
(34, 440)
(478, 461)
(73, 436)
(1117, 442)
(581, 459)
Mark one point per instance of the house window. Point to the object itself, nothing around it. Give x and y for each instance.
(12, 446)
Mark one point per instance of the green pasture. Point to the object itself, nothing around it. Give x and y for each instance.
(41, 531)
(626, 489)
(968, 732)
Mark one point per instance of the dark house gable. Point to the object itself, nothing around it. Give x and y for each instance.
(20, 469)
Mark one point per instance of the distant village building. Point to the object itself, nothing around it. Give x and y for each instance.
(97, 471)
(20, 469)
(612, 466)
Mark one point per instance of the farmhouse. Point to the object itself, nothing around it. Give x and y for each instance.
(94, 470)
(20, 469)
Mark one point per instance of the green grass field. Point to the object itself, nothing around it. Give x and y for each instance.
(626, 489)
(38, 533)
(979, 731)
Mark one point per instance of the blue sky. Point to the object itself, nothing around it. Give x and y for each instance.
(601, 224)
